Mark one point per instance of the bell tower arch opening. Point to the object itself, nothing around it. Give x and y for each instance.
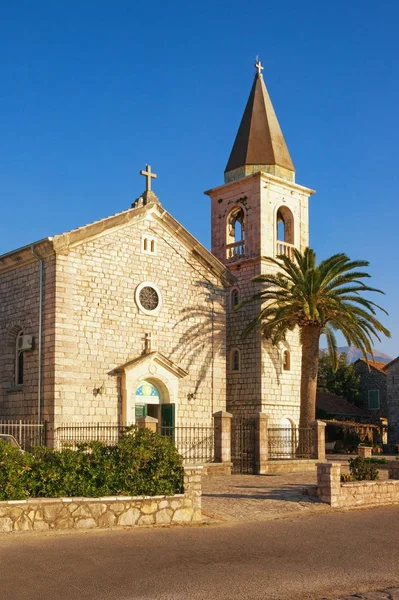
(235, 233)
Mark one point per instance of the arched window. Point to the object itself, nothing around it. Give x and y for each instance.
(234, 297)
(235, 360)
(19, 359)
(235, 234)
(148, 245)
(285, 225)
(285, 232)
(286, 361)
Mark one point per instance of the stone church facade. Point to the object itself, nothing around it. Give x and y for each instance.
(132, 316)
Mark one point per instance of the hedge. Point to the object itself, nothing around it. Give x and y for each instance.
(142, 463)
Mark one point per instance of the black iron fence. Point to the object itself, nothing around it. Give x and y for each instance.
(290, 442)
(71, 434)
(27, 433)
(194, 443)
(243, 438)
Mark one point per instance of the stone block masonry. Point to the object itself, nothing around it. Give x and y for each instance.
(44, 514)
(359, 493)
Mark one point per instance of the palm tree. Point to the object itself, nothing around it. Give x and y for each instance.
(319, 299)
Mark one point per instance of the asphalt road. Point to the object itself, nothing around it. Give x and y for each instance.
(312, 557)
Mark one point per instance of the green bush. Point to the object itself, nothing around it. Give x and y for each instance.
(377, 461)
(362, 469)
(142, 463)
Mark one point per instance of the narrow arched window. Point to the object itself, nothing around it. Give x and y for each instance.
(285, 225)
(235, 234)
(234, 298)
(152, 245)
(145, 244)
(286, 361)
(235, 360)
(19, 359)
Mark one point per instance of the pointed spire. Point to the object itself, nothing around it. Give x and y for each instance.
(259, 144)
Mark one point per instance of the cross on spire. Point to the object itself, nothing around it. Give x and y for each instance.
(258, 66)
(148, 175)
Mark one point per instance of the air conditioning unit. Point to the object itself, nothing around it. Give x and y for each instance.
(25, 342)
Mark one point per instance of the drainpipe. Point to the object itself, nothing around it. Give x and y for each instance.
(39, 377)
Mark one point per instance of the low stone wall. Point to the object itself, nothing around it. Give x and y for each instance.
(43, 514)
(359, 493)
(216, 469)
(273, 467)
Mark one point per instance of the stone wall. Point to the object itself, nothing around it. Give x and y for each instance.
(19, 311)
(360, 493)
(393, 401)
(43, 514)
(99, 325)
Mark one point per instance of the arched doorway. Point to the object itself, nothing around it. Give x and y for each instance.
(152, 400)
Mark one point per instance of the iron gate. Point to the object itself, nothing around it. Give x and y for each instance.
(243, 445)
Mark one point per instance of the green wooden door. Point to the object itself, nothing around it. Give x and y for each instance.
(167, 418)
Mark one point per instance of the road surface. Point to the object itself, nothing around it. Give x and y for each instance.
(312, 557)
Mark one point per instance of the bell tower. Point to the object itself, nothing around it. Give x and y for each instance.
(259, 212)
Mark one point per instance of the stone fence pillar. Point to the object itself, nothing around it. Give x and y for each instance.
(329, 483)
(364, 451)
(193, 489)
(318, 440)
(147, 422)
(261, 443)
(222, 436)
(393, 469)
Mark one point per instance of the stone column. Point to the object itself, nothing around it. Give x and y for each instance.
(329, 483)
(193, 490)
(222, 436)
(261, 443)
(148, 422)
(393, 469)
(318, 440)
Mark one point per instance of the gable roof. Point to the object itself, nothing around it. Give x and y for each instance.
(156, 357)
(378, 365)
(390, 364)
(60, 244)
(337, 405)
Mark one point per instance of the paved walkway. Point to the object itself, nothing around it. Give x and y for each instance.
(260, 497)
(257, 497)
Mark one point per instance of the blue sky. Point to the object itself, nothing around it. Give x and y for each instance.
(92, 91)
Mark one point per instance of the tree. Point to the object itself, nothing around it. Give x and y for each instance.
(342, 381)
(318, 299)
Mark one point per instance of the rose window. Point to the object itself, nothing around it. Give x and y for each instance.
(149, 298)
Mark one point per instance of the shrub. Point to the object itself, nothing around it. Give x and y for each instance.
(377, 461)
(142, 463)
(346, 478)
(363, 469)
(14, 467)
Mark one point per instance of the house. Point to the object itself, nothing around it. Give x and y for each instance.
(372, 387)
(392, 377)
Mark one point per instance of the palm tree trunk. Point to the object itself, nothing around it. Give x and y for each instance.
(310, 337)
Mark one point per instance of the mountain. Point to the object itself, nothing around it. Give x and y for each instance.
(353, 354)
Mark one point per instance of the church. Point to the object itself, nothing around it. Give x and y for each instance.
(131, 316)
